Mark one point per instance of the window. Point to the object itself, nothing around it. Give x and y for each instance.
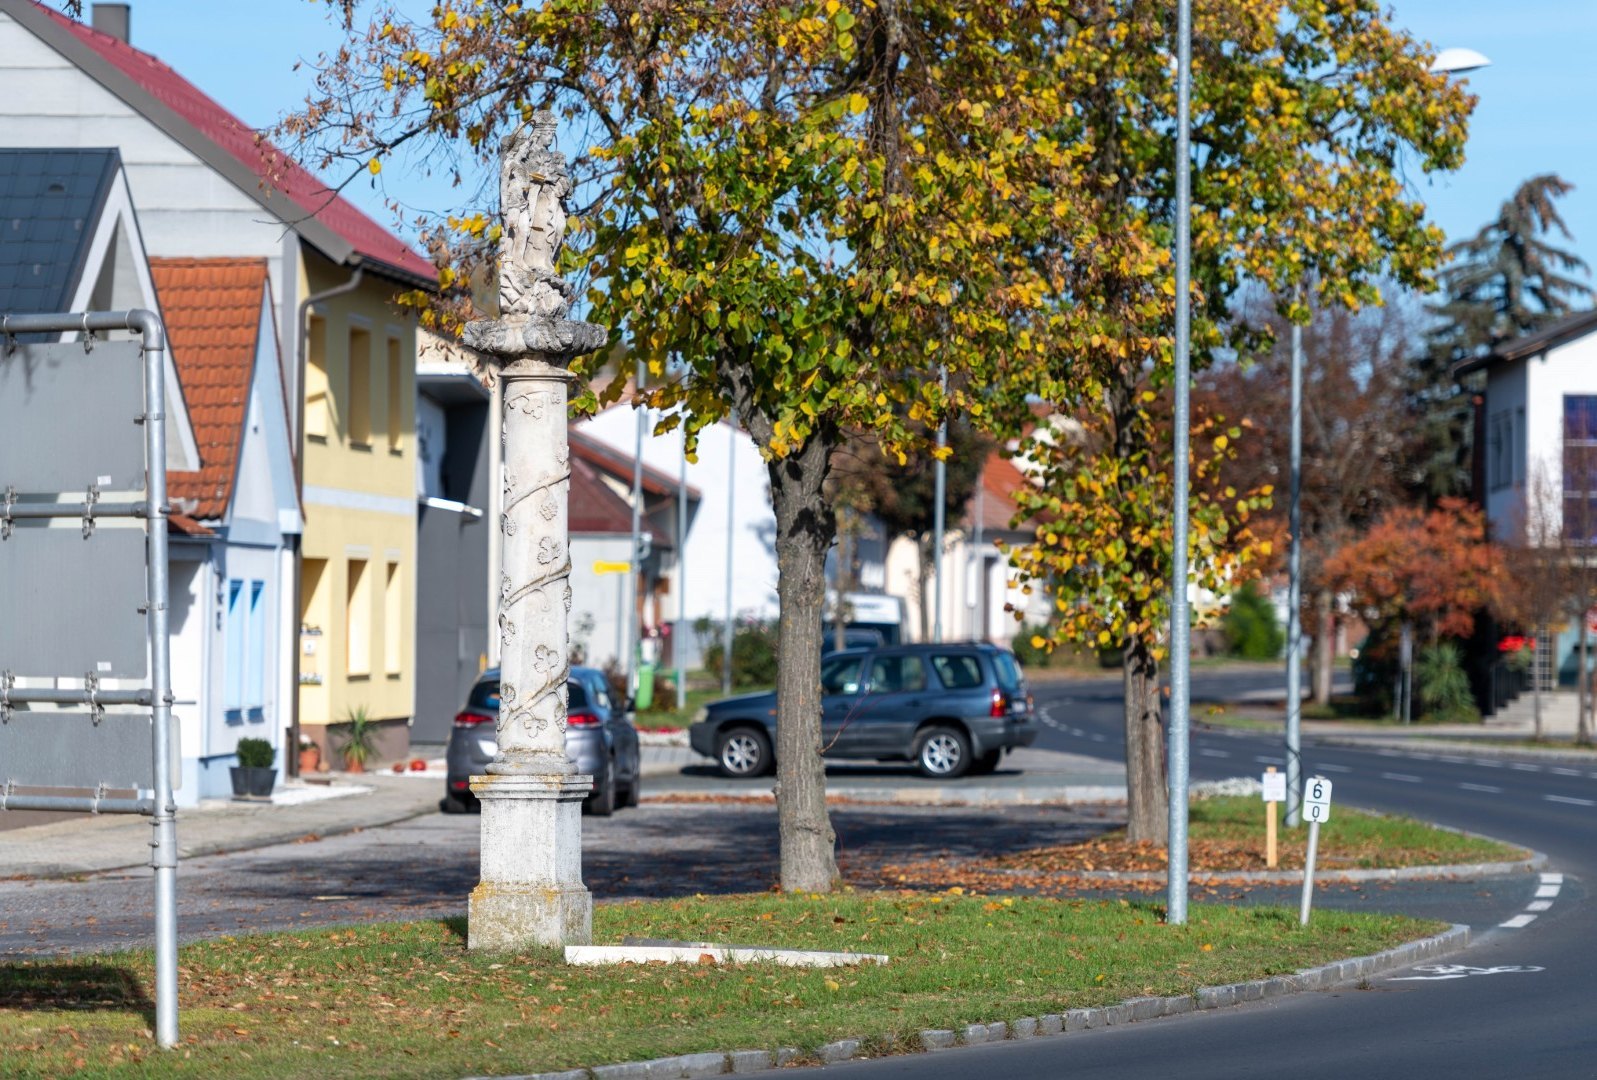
(317, 404)
(1580, 468)
(392, 623)
(396, 399)
(360, 387)
(1008, 672)
(1499, 450)
(891, 674)
(959, 671)
(841, 675)
(358, 620)
(244, 647)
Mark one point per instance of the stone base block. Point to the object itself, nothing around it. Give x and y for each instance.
(510, 918)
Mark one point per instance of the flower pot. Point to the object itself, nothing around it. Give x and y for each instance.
(354, 765)
(309, 759)
(252, 780)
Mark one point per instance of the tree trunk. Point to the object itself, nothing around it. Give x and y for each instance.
(1147, 792)
(805, 529)
(1324, 648)
(1583, 682)
(1536, 679)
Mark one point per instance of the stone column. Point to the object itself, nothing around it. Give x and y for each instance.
(531, 890)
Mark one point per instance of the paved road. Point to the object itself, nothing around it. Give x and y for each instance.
(1529, 1017)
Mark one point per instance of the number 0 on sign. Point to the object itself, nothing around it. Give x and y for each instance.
(1317, 799)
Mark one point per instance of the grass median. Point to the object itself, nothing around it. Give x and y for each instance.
(400, 1000)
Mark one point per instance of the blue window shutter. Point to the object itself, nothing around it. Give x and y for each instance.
(255, 666)
(236, 629)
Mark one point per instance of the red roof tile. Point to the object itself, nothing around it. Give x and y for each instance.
(212, 309)
(276, 171)
(594, 508)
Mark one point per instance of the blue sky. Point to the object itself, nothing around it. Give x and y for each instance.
(1534, 114)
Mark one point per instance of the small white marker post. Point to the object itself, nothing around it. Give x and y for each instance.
(1274, 784)
(1316, 808)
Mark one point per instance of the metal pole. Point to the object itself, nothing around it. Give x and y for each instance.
(1180, 631)
(633, 617)
(978, 629)
(940, 471)
(163, 846)
(731, 518)
(1294, 595)
(1308, 873)
(682, 578)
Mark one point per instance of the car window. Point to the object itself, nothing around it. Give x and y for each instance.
(485, 695)
(958, 671)
(1008, 671)
(840, 675)
(890, 674)
(576, 695)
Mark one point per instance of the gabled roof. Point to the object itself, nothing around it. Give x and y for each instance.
(1000, 479)
(1550, 336)
(595, 509)
(223, 141)
(609, 460)
(213, 322)
(50, 203)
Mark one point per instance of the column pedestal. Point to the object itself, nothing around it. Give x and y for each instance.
(531, 892)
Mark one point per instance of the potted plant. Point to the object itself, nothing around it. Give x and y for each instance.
(358, 738)
(310, 755)
(254, 774)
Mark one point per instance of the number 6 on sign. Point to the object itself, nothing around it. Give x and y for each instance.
(1317, 799)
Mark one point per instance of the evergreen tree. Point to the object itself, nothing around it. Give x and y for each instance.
(1505, 281)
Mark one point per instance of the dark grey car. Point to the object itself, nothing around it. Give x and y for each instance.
(600, 740)
(951, 709)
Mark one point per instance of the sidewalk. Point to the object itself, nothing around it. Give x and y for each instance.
(90, 843)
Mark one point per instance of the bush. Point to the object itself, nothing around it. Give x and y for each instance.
(255, 754)
(1028, 654)
(1251, 631)
(1441, 686)
(753, 655)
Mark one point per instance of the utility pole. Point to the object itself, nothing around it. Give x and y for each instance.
(940, 471)
(731, 519)
(1294, 595)
(677, 643)
(1180, 630)
(635, 560)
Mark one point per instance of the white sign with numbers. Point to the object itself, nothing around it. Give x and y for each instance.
(1274, 786)
(1317, 799)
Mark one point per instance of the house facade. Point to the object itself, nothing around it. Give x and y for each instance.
(207, 187)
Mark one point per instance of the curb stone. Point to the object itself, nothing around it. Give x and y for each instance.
(693, 1066)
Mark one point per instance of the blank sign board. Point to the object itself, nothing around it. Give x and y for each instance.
(69, 750)
(71, 417)
(69, 606)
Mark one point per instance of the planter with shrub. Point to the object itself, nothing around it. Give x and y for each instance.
(254, 776)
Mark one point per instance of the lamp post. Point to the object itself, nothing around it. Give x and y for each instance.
(531, 890)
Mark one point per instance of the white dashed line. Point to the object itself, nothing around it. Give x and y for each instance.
(1538, 905)
(1404, 777)
(1333, 768)
(1098, 738)
(1451, 760)
(1547, 892)
(1517, 922)
(1570, 800)
(1552, 879)
(1215, 753)
(1487, 788)
(1390, 753)
(1270, 760)
(1564, 772)
(1525, 767)
(1483, 763)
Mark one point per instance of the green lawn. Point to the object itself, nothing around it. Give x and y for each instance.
(403, 1000)
(669, 716)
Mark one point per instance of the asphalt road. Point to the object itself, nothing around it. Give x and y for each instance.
(1517, 1002)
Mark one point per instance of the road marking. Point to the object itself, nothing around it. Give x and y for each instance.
(1098, 738)
(1405, 777)
(1552, 879)
(1538, 905)
(1451, 760)
(1517, 922)
(1483, 763)
(1464, 971)
(1215, 753)
(1571, 801)
(1547, 892)
(1564, 772)
(1390, 753)
(1487, 788)
(1332, 768)
(1523, 766)
(1270, 760)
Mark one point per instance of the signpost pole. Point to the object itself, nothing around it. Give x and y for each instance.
(1317, 808)
(1269, 827)
(1308, 873)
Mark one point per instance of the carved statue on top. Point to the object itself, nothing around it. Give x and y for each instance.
(533, 185)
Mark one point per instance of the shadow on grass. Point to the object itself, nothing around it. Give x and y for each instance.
(456, 925)
(42, 985)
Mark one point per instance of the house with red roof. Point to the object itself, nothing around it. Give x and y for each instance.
(208, 186)
(232, 567)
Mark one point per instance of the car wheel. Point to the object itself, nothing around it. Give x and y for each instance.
(602, 803)
(943, 754)
(454, 804)
(743, 752)
(987, 763)
(634, 791)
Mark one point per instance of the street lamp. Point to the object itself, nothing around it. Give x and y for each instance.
(1449, 62)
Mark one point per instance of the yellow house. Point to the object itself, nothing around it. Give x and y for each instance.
(358, 557)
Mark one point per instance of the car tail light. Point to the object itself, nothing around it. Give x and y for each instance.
(1000, 703)
(582, 719)
(471, 720)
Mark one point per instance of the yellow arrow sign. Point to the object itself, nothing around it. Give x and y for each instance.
(611, 567)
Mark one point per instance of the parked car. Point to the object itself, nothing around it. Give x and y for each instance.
(951, 709)
(854, 637)
(600, 740)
